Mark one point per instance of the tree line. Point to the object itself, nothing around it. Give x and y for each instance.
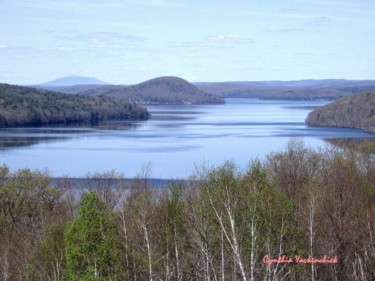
(223, 223)
(25, 106)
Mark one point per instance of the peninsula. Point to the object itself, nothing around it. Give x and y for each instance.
(26, 106)
(356, 111)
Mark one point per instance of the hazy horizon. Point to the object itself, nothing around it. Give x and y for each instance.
(101, 82)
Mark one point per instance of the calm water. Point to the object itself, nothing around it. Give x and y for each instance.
(173, 141)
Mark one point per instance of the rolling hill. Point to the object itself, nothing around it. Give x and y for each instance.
(161, 90)
(174, 90)
(356, 111)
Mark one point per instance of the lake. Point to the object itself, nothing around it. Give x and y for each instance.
(172, 142)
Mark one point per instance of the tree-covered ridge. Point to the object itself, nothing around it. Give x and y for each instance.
(161, 90)
(289, 90)
(24, 106)
(222, 224)
(357, 111)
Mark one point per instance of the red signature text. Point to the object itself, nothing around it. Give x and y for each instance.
(299, 259)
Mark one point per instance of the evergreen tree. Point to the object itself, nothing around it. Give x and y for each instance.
(91, 242)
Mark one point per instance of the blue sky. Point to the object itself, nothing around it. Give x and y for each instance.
(130, 41)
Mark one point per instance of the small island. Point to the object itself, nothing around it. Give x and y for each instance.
(26, 106)
(357, 111)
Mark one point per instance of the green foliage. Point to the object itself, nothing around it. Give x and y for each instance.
(48, 257)
(27, 204)
(91, 242)
(263, 216)
(24, 195)
(21, 106)
(218, 225)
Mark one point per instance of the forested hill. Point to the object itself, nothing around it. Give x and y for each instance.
(24, 106)
(161, 90)
(357, 111)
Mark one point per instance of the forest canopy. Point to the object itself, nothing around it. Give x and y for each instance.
(223, 223)
(356, 111)
(25, 106)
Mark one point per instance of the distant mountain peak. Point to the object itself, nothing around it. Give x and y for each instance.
(72, 81)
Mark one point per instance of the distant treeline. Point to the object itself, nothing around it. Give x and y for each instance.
(301, 214)
(289, 90)
(24, 106)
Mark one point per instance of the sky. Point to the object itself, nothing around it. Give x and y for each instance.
(131, 41)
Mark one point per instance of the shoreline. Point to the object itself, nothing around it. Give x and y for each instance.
(127, 183)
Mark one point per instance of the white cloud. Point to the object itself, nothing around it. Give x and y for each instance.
(64, 49)
(230, 39)
(285, 30)
(155, 3)
(110, 39)
(322, 21)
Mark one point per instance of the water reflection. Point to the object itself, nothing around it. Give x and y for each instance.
(7, 142)
(11, 138)
(119, 125)
(173, 140)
